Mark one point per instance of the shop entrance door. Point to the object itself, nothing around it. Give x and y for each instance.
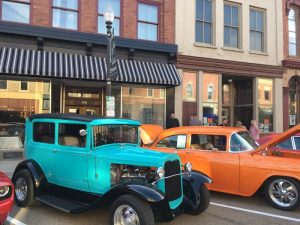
(238, 100)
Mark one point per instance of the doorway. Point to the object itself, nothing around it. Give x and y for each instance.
(86, 101)
(237, 100)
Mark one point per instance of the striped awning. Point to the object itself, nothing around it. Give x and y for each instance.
(27, 62)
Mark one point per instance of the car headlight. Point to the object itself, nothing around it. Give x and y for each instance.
(188, 166)
(4, 191)
(160, 172)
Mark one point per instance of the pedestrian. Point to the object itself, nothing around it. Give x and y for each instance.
(224, 123)
(254, 130)
(172, 121)
(194, 121)
(240, 125)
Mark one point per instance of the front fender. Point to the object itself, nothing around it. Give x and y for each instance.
(148, 193)
(35, 170)
(192, 182)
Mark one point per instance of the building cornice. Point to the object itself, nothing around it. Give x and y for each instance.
(75, 36)
(291, 63)
(228, 67)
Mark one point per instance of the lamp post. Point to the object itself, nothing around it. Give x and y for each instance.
(110, 102)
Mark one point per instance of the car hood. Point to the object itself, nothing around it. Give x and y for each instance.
(279, 138)
(4, 180)
(133, 155)
(149, 133)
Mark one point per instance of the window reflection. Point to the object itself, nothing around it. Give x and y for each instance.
(16, 11)
(143, 104)
(265, 102)
(210, 98)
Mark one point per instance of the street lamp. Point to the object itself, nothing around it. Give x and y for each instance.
(110, 101)
(109, 18)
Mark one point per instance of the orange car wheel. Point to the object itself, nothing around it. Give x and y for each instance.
(283, 192)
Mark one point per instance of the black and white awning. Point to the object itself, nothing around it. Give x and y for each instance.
(27, 62)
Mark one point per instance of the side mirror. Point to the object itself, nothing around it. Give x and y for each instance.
(82, 132)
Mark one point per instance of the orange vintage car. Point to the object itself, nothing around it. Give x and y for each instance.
(234, 161)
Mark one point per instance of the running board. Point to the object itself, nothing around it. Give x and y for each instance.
(63, 204)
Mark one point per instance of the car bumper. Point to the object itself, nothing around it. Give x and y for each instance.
(5, 208)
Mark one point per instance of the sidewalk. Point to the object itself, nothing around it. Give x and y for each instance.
(8, 166)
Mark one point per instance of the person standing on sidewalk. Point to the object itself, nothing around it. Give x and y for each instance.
(172, 121)
(254, 130)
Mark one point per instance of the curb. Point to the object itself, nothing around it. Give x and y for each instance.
(11, 154)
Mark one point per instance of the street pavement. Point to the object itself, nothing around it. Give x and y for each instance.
(224, 210)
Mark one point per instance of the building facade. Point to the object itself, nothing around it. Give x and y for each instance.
(291, 63)
(52, 58)
(229, 58)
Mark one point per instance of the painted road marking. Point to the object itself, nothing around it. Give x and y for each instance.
(256, 212)
(14, 221)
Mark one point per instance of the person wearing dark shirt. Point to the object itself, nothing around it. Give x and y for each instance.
(172, 121)
(224, 123)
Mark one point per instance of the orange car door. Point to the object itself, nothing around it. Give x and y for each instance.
(214, 160)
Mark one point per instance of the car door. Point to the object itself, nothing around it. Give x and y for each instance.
(70, 154)
(209, 154)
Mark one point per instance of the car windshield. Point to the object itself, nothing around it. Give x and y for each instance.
(109, 134)
(242, 141)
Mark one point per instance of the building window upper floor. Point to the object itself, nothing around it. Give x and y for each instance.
(114, 5)
(257, 30)
(148, 21)
(204, 22)
(15, 11)
(65, 14)
(293, 30)
(231, 25)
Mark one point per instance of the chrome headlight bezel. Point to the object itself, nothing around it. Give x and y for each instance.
(160, 172)
(4, 191)
(188, 167)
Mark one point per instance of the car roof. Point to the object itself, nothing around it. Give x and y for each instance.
(203, 129)
(78, 117)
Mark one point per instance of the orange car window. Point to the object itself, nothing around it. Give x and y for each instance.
(208, 142)
(175, 141)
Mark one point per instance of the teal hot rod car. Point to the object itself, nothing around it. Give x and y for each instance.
(74, 162)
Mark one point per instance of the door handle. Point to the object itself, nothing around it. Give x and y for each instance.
(54, 150)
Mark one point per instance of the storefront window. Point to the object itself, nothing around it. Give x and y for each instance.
(16, 105)
(210, 99)
(293, 106)
(189, 97)
(139, 105)
(265, 104)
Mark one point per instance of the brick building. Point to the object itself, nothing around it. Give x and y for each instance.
(291, 63)
(52, 58)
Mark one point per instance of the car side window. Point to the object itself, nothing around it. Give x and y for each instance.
(286, 144)
(69, 135)
(43, 132)
(297, 142)
(175, 141)
(208, 142)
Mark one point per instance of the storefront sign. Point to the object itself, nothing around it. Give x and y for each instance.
(110, 106)
(292, 120)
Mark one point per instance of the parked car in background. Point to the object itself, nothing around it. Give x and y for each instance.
(11, 135)
(234, 161)
(290, 143)
(74, 162)
(6, 197)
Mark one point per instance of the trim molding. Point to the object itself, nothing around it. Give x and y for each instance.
(289, 3)
(76, 36)
(290, 63)
(228, 67)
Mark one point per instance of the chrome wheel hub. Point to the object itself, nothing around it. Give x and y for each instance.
(21, 189)
(125, 215)
(283, 193)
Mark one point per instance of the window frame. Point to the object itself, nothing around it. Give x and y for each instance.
(45, 122)
(149, 3)
(27, 84)
(177, 135)
(231, 4)
(70, 123)
(152, 92)
(120, 18)
(263, 32)
(212, 35)
(4, 89)
(296, 13)
(66, 9)
(19, 2)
